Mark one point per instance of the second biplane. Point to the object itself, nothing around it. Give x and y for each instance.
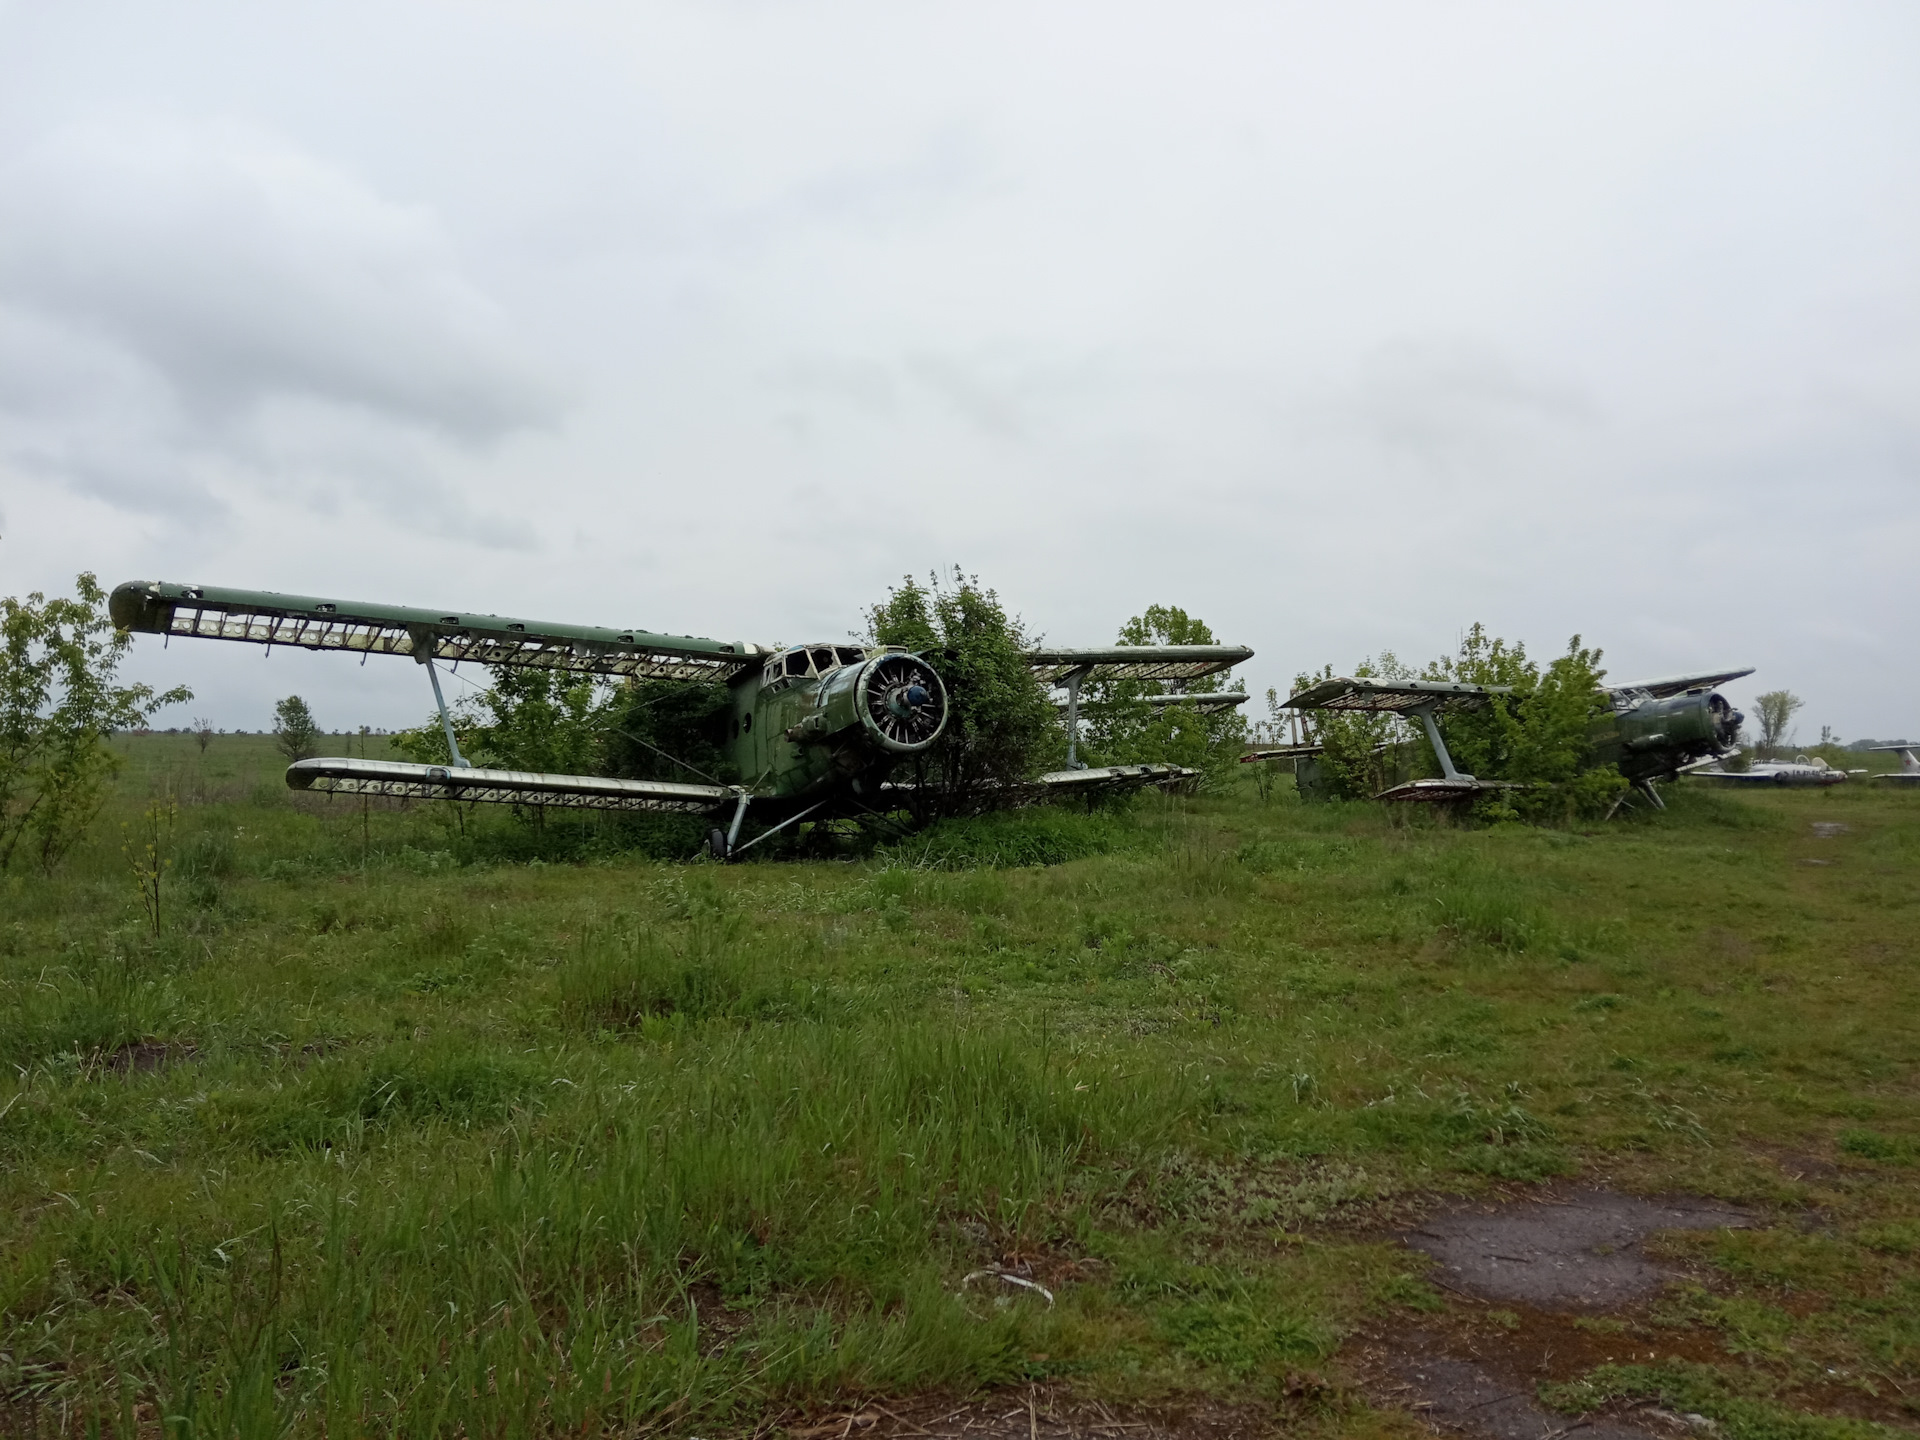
(821, 729)
(1650, 729)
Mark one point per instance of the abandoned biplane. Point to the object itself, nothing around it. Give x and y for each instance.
(1650, 729)
(820, 728)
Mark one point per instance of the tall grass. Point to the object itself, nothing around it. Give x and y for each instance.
(383, 1135)
(578, 1264)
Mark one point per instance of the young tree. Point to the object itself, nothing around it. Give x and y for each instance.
(293, 724)
(1540, 735)
(1775, 711)
(1363, 748)
(58, 705)
(202, 733)
(1000, 728)
(1120, 728)
(526, 720)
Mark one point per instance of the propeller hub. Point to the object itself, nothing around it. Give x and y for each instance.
(904, 702)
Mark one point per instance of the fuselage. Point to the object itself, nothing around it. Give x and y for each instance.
(1650, 739)
(813, 718)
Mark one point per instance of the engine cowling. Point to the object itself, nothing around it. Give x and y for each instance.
(893, 702)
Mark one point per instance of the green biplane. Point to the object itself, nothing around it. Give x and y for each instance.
(1651, 729)
(820, 728)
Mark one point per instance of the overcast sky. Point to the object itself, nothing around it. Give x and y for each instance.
(1342, 326)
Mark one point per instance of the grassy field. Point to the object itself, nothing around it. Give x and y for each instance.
(383, 1134)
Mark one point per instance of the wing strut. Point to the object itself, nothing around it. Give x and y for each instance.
(1425, 714)
(1072, 681)
(739, 819)
(790, 820)
(425, 657)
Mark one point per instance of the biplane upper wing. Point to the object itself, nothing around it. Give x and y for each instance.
(358, 627)
(1679, 684)
(1137, 662)
(1392, 696)
(505, 787)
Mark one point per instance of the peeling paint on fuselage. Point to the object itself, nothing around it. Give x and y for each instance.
(795, 731)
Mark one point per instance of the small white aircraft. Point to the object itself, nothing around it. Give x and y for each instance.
(1909, 771)
(1798, 771)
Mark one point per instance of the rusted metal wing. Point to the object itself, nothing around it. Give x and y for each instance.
(1287, 752)
(1393, 696)
(1679, 684)
(1436, 790)
(1137, 662)
(505, 787)
(1106, 778)
(309, 622)
(1201, 702)
(1056, 783)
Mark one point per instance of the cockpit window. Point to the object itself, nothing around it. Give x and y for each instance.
(812, 660)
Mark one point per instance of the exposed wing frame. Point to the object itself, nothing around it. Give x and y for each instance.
(404, 780)
(307, 622)
(1668, 685)
(1168, 663)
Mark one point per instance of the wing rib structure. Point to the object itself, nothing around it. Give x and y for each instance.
(1101, 779)
(1418, 700)
(401, 780)
(1670, 685)
(1398, 697)
(262, 617)
(1137, 662)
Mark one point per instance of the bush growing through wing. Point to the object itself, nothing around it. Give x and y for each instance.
(1540, 734)
(1118, 727)
(1000, 727)
(1354, 765)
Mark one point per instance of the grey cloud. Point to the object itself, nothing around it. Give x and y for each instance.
(163, 288)
(1453, 404)
(238, 266)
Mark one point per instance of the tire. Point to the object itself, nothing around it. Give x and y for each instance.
(717, 843)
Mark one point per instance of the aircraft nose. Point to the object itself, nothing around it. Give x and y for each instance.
(917, 695)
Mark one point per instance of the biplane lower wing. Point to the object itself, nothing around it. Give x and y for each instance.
(402, 780)
(1286, 752)
(1104, 779)
(1440, 790)
(1200, 702)
(1058, 784)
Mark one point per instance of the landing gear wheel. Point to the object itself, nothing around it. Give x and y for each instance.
(717, 843)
